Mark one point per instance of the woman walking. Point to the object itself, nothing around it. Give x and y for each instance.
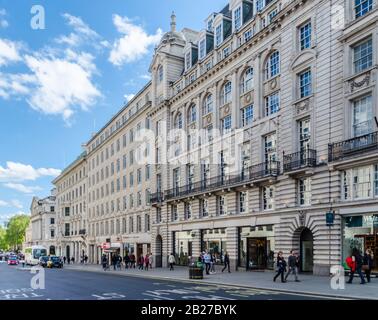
(368, 263)
(146, 262)
(281, 267)
(226, 262)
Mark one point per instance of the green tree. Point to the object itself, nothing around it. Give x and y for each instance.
(3, 242)
(15, 232)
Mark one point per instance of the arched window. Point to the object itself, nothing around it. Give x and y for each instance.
(160, 74)
(207, 104)
(226, 93)
(178, 121)
(247, 80)
(272, 67)
(192, 113)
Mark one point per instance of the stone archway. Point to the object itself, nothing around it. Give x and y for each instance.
(159, 252)
(303, 243)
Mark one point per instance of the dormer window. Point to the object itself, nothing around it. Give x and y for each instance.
(218, 35)
(188, 61)
(160, 74)
(202, 49)
(237, 19)
(210, 25)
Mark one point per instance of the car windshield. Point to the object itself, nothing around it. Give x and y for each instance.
(55, 258)
(12, 258)
(44, 258)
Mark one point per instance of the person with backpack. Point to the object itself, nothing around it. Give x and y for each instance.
(355, 263)
(281, 267)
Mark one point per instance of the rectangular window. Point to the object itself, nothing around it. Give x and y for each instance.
(268, 198)
(52, 233)
(131, 179)
(188, 62)
(202, 49)
(218, 35)
(270, 147)
(242, 202)
(188, 211)
(363, 56)
(362, 116)
(304, 186)
(158, 215)
(148, 172)
(361, 7)
(52, 220)
(174, 215)
(272, 104)
(248, 35)
(305, 84)
(305, 36)
(237, 19)
(139, 176)
(247, 115)
(204, 207)
(221, 205)
(272, 14)
(376, 180)
(226, 124)
(226, 52)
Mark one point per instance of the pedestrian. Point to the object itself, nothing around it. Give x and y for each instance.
(356, 265)
(64, 259)
(73, 260)
(132, 260)
(281, 267)
(212, 263)
(114, 262)
(207, 259)
(104, 261)
(85, 259)
(368, 263)
(140, 262)
(151, 260)
(171, 260)
(292, 262)
(146, 262)
(119, 262)
(126, 260)
(226, 262)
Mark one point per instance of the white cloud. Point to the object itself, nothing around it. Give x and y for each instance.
(22, 188)
(13, 203)
(145, 77)
(134, 44)
(3, 23)
(9, 52)
(21, 172)
(3, 203)
(129, 97)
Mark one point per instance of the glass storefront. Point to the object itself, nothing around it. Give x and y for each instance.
(361, 232)
(256, 247)
(214, 241)
(183, 242)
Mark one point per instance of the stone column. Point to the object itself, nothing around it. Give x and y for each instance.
(196, 243)
(232, 246)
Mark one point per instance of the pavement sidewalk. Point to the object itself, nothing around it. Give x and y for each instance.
(310, 285)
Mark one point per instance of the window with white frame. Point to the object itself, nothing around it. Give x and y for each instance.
(272, 14)
(305, 83)
(363, 55)
(226, 124)
(304, 134)
(174, 214)
(361, 7)
(268, 197)
(188, 211)
(362, 121)
(192, 114)
(221, 205)
(242, 202)
(360, 183)
(304, 186)
(218, 34)
(248, 35)
(226, 95)
(226, 52)
(204, 205)
(237, 19)
(160, 74)
(272, 103)
(207, 105)
(272, 66)
(270, 147)
(176, 180)
(305, 36)
(247, 115)
(202, 49)
(247, 80)
(178, 121)
(188, 61)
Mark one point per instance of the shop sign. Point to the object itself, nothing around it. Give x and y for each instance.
(370, 221)
(106, 245)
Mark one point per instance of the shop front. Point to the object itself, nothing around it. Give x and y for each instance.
(361, 232)
(183, 247)
(111, 249)
(215, 242)
(256, 247)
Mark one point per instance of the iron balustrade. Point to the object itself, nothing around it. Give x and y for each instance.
(302, 159)
(256, 172)
(82, 232)
(352, 147)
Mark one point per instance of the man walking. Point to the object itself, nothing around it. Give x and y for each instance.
(151, 260)
(171, 261)
(356, 266)
(292, 263)
(207, 259)
(226, 262)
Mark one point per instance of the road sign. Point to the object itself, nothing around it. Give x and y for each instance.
(330, 218)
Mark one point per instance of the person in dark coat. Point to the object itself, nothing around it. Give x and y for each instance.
(114, 261)
(281, 267)
(64, 259)
(226, 262)
(293, 262)
(104, 262)
(358, 260)
(368, 262)
(126, 260)
(140, 262)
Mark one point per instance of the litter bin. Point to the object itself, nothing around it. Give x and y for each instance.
(195, 272)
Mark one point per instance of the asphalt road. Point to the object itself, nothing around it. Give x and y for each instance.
(64, 284)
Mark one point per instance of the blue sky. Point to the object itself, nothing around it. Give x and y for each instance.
(60, 84)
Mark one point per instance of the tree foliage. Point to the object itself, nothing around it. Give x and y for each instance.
(15, 232)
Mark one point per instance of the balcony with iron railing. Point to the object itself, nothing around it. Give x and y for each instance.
(260, 172)
(353, 147)
(299, 160)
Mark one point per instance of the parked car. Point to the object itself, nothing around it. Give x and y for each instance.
(13, 260)
(56, 262)
(43, 261)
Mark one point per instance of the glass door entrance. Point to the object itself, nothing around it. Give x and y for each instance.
(256, 253)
